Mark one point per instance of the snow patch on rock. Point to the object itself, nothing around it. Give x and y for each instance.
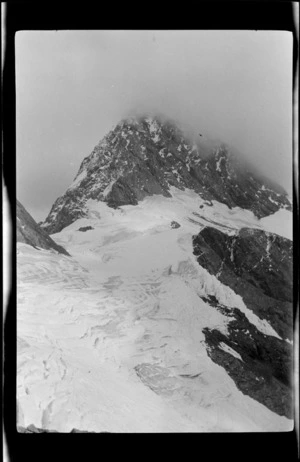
(230, 350)
(78, 179)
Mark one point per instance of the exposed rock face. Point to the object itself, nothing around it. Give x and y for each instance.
(175, 225)
(258, 266)
(146, 156)
(264, 369)
(29, 232)
(85, 228)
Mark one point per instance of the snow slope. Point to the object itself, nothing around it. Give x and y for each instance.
(111, 339)
(280, 222)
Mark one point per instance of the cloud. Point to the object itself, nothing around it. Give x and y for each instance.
(72, 86)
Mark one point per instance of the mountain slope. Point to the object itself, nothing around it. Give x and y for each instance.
(174, 312)
(29, 232)
(257, 265)
(147, 156)
(127, 337)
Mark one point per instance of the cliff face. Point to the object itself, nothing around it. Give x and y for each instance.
(258, 266)
(146, 156)
(29, 232)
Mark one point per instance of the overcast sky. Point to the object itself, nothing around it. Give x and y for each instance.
(73, 86)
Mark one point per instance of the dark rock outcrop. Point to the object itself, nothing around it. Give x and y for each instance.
(256, 265)
(145, 156)
(175, 225)
(264, 371)
(85, 228)
(29, 232)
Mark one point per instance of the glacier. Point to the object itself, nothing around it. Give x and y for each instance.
(110, 339)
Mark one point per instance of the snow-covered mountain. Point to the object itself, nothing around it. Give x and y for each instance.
(146, 156)
(174, 312)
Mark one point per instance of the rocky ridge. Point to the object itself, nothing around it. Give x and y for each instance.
(258, 266)
(29, 232)
(145, 156)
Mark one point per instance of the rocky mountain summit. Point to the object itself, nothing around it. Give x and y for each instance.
(29, 232)
(146, 156)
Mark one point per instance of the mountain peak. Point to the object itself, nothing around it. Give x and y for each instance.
(148, 154)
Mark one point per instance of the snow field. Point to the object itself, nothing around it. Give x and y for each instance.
(111, 338)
